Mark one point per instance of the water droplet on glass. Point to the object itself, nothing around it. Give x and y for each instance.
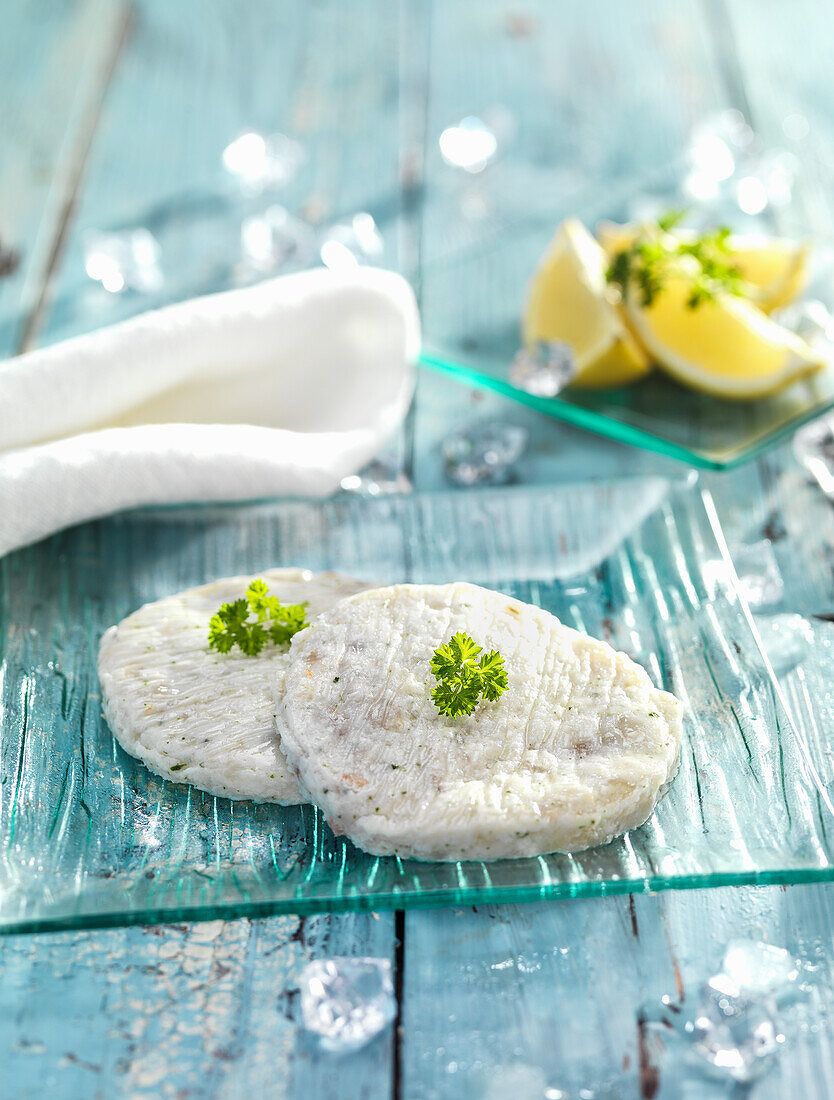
(347, 244)
(276, 239)
(543, 369)
(813, 446)
(378, 478)
(124, 261)
(786, 639)
(700, 186)
(728, 126)
(712, 156)
(758, 573)
(337, 257)
(347, 1001)
(470, 144)
(484, 453)
(259, 161)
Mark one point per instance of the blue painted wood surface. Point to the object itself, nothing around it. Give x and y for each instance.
(108, 108)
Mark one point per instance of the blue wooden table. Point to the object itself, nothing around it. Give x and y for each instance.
(107, 111)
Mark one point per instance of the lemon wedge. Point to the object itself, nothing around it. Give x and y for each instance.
(615, 237)
(726, 346)
(774, 268)
(569, 300)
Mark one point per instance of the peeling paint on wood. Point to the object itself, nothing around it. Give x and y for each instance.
(210, 1010)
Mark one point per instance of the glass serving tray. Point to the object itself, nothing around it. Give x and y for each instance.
(90, 837)
(471, 303)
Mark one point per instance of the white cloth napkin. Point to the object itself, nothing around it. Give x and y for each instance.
(279, 389)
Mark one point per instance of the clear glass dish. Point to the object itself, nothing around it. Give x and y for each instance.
(471, 303)
(89, 837)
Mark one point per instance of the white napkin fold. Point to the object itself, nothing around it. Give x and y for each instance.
(279, 389)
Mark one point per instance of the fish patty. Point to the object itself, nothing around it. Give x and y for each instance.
(194, 715)
(578, 749)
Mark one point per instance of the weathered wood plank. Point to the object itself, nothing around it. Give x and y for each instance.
(784, 58)
(55, 65)
(206, 1011)
(554, 988)
(180, 97)
(550, 996)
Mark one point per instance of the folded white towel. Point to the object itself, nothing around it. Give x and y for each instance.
(282, 388)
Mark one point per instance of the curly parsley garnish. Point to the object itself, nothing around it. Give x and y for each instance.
(273, 621)
(654, 254)
(462, 679)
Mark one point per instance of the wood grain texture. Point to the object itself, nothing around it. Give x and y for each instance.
(179, 97)
(557, 988)
(180, 1011)
(783, 61)
(55, 72)
(550, 996)
(572, 1020)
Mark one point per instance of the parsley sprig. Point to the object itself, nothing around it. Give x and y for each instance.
(462, 679)
(273, 621)
(655, 254)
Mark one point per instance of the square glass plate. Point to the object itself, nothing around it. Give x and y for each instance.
(471, 303)
(90, 837)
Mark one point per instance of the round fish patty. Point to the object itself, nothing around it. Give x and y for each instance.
(577, 750)
(194, 715)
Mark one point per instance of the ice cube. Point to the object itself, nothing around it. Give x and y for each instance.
(484, 453)
(347, 1001)
(124, 261)
(543, 369)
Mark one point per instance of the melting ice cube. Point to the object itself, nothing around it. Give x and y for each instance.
(739, 1021)
(347, 1001)
(471, 144)
(543, 369)
(484, 453)
(259, 160)
(124, 261)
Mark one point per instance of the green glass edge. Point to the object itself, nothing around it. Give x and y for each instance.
(423, 900)
(616, 429)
